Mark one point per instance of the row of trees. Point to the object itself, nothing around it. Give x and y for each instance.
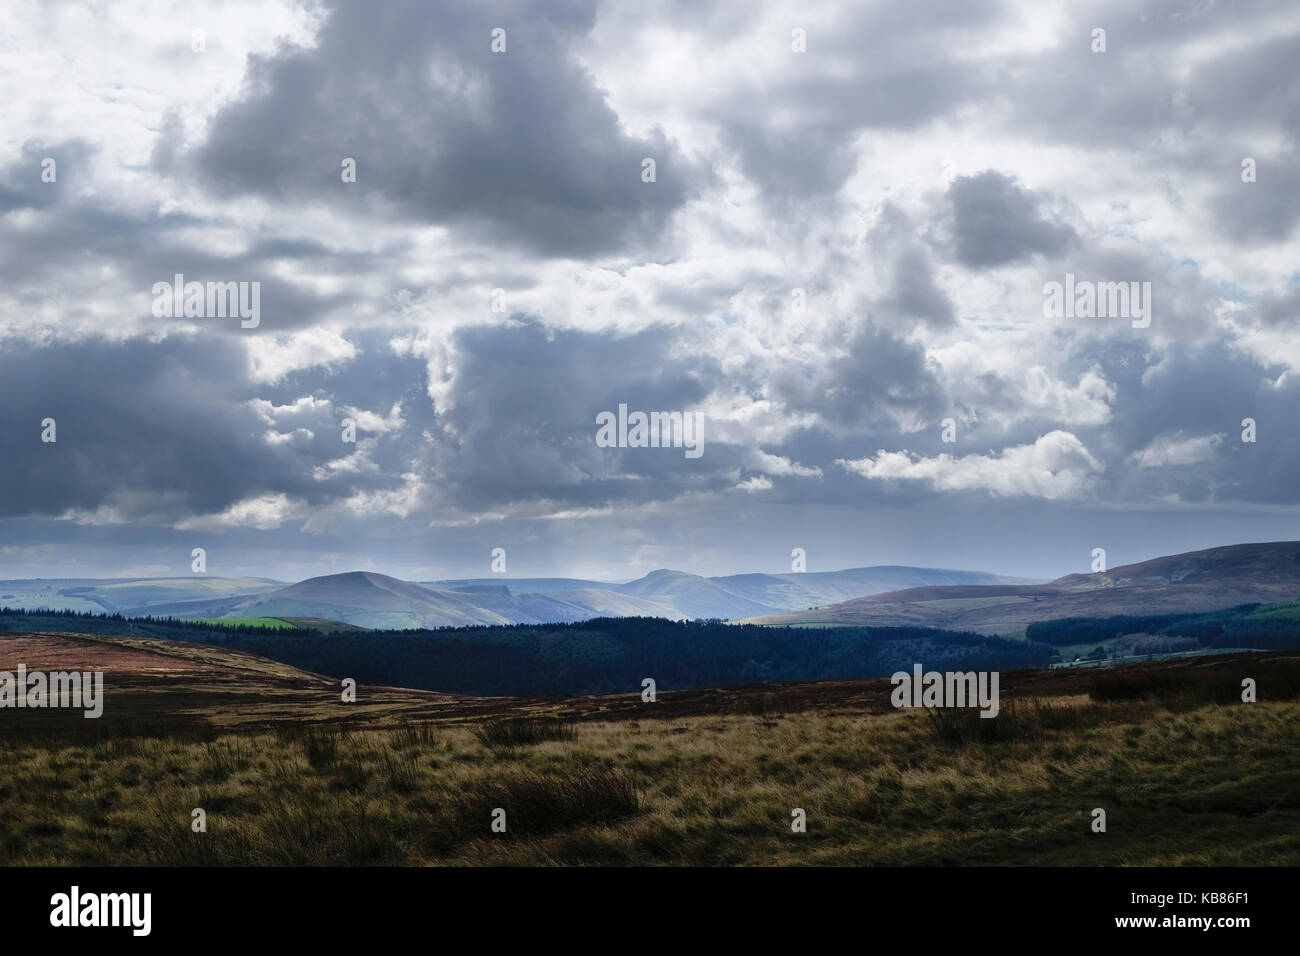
(1266, 627)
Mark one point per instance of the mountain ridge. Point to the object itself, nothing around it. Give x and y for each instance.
(372, 599)
(881, 595)
(1206, 580)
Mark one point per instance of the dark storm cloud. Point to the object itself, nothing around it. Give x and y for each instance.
(520, 147)
(914, 294)
(1247, 98)
(1204, 391)
(169, 426)
(523, 425)
(135, 417)
(887, 77)
(1192, 393)
(375, 380)
(146, 247)
(996, 221)
(874, 377)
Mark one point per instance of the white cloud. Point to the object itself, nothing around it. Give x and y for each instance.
(372, 422)
(780, 465)
(285, 438)
(1056, 466)
(1177, 450)
(272, 358)
(264, 513)
(307, 405)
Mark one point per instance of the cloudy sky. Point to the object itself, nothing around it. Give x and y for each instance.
(842, 246)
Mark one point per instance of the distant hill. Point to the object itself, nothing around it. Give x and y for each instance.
(814, 588)
(372, 600)
(363, 598)
(116, 595)
(1207, 580)
(546, 586)
(679, 594)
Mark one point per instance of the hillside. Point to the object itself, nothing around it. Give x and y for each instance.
(372, 600)
(679, 594)
(368, 599)
(881, 596)
(1206, 580)
(181, 685)
(118, 595)
(377, 601)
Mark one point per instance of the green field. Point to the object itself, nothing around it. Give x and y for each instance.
(274, 623)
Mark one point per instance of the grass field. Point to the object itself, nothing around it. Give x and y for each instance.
(274, 623)
(288, 775)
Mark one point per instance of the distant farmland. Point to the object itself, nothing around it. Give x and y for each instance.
(274, 623)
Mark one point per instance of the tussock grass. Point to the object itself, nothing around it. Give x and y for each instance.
(1033, 720)
(537, 805)
(1184, 690)
(1210, 784)
(415, 736)
(524, 731)
(321, 746)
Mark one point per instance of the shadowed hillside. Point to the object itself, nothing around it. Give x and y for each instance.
(1197, 581)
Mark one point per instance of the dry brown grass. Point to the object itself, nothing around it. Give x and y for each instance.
(1215, 785)
(711, 778)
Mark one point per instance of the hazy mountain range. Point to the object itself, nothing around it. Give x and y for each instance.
(1196, 581)
(369, 599)
(883, 596)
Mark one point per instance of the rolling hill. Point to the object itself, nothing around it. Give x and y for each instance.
(1206, 580)
(116, 595)
(369, 599)
(363, 598)
(883, 596)
(678, 594)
